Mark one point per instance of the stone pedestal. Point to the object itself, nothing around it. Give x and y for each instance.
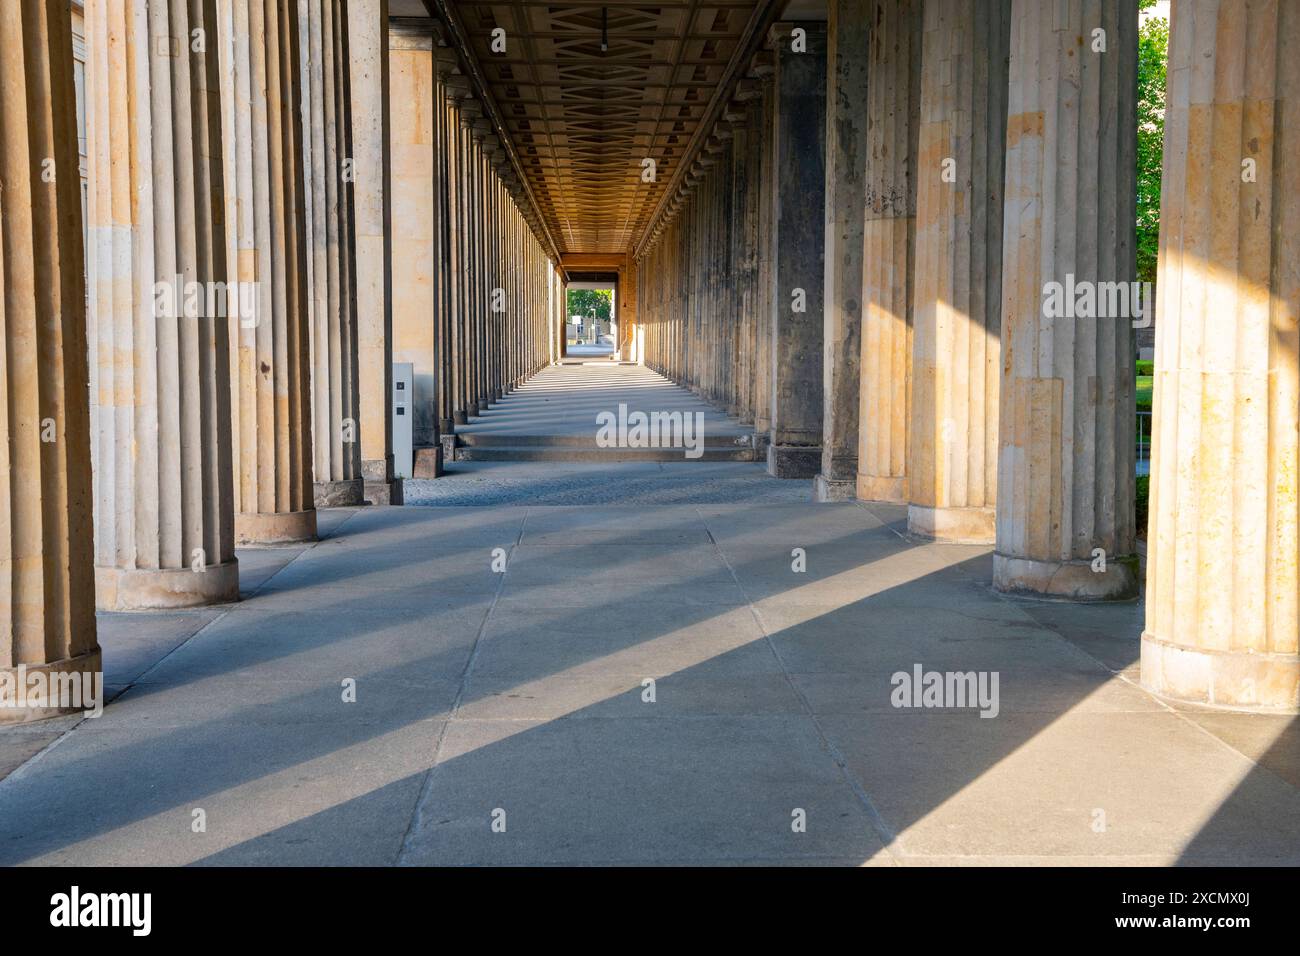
(1066, 420)
(1222, 546)
(47, 591)
(893, 100)
(952, 471)
(266, 250)
(160, 329)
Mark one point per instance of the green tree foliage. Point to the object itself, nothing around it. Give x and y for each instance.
(1153, 51)
(582, 301)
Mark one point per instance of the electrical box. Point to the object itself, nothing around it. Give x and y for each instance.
(403, 419)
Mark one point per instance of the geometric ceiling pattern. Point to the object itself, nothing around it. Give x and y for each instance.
(587, 92)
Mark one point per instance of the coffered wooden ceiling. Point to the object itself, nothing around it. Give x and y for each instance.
(583, 118)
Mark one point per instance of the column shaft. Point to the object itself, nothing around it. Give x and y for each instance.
(957, 300)
(266, 247)
(331, 259)
(797, 246)
(159, 342)
(1222, 583)
(1066, 420)
(372, 205)
(847, 48)
(47, 586)
(893, 102)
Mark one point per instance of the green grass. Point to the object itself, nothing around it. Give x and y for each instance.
(1144, 392)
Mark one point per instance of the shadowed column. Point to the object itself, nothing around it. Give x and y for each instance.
(266, 246)
(331, 248)
(847, 36)
(797, 245)
(160, 327)
(1066, 420)
(957, 300)
(1222, 583)
(893, 100)
(46, 559)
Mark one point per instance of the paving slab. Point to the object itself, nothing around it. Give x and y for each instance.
(526, 691)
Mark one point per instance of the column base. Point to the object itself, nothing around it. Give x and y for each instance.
(90, 664)
(954, 525)
(428, 462)
(272, 528)
(833, 489)
(384, 492)
(793, 461)
(140, 589)
(458, 418)
(1236, 679)
(445, 426)
(448, 447)
(882, 488)
(1069, 580)
(346, 493)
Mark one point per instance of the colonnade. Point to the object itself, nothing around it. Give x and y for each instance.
(475, 311)
(235, 323)
(979, 213)
(873, 258)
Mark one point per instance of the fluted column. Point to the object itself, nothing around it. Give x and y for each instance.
(761, 70)
(444, 208)
(1222, 548)
(47, 583)
(266, 246)
(797, 246)
(893, 101)
(957, 302)
(372, 209)
(331, 252)
(159, 324)
(847, 37)
(1066, 421)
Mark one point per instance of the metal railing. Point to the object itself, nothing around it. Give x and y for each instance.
(1143, 443)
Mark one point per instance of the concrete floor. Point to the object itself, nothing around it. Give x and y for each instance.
(523, 692)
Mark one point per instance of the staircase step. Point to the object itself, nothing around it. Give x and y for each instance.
(580, 440)
(593, 453)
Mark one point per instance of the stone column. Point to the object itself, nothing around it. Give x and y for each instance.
(415, 223)
(331, 245)
(47, 582)
(457, 182)
(847, 46)
(371, 191)
(266, 248)
(160, 340)
(957, 299)
(1066, 420)
(893, 101)
(761, 70)
(798, 242)
(1222, 583)
(444, 208)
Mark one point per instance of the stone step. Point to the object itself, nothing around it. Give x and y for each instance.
(726, 442)
(594, 453)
